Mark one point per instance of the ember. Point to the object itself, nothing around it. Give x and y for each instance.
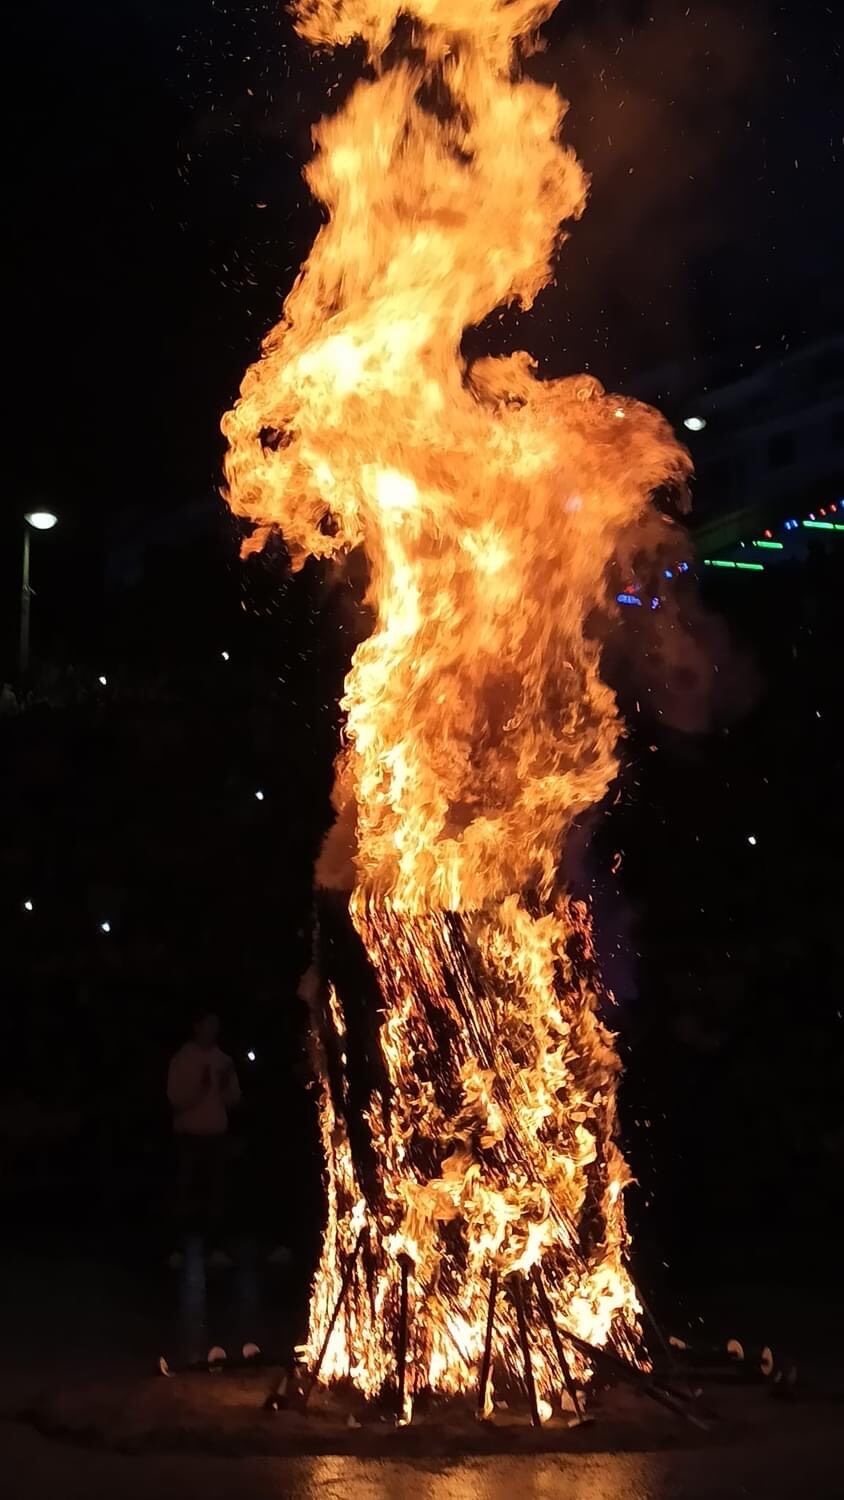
(491, 505)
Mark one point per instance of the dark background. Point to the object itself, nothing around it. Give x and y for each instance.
(157, 218)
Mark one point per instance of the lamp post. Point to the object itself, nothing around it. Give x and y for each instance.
(35, 520)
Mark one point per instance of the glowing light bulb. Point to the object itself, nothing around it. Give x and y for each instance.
(225, 655)
(251, 1055)
(259, 796)
(28, 906)
(103, 681)
(751, 839)
(694, 424)
(105, 927)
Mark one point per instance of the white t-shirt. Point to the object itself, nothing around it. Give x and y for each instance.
(202, 1086)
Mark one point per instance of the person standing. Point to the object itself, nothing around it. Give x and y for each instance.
(202, 1086)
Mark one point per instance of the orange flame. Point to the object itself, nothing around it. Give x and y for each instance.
(490, 505)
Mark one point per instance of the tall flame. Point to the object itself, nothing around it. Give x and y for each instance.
(490, 505)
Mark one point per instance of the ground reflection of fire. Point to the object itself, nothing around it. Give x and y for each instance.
(490, 505)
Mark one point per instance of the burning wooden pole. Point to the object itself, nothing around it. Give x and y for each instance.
(403, 1405)
(673, 1401)
(485, 1382)
(547, 1313)
(335, 1313)
(515, 1286)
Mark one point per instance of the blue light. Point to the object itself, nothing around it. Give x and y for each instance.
(669, 573)
(654, 604)
(684, 567)
(628, 599)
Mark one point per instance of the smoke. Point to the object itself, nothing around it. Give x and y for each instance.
(682, 668)
(663, 105)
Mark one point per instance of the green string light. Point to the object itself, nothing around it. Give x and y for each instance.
(769, 546)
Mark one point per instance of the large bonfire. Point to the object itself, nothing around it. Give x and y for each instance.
(490, 505)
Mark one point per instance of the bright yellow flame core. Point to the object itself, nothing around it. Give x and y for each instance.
(490, 504)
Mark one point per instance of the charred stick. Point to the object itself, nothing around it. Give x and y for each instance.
(484, 1393)
(401, 1355)
(675, 1404)
(574, 1394)
(668, 1352)
(640, 1378)
(516, 1290)
(341, 1297)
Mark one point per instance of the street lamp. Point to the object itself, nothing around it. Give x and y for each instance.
(36, 520)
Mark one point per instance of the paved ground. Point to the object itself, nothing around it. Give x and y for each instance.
(34, 1469)
(71, 1318)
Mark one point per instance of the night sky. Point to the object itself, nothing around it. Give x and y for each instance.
(158, 216)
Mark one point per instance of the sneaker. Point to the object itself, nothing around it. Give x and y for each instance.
(218, 1260)
(176, 1260)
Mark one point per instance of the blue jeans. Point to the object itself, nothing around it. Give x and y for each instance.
(202, 1162)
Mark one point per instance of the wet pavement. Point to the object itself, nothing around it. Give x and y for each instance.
(37, 1468)
(67, 1318)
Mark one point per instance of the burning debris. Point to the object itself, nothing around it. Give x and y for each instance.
(467, 1081)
